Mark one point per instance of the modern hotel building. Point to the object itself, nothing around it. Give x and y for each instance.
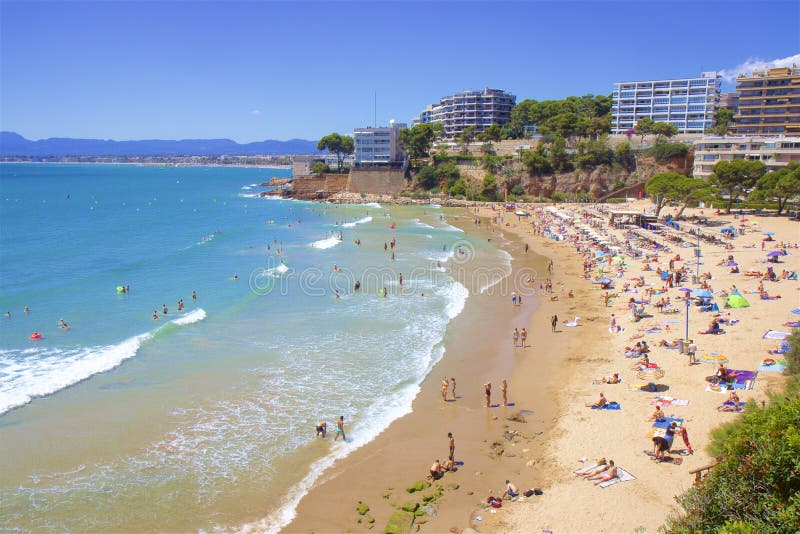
(774, 152)
(688, 103)
(469, 108)
(769, 102)
(378, 146)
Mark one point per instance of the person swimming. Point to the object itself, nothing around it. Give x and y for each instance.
(164, 309)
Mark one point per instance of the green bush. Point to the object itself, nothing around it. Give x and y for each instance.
(666, 151)
(756, 486)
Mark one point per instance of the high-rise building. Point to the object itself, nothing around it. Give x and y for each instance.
(769, 102)
(688, 103)
(774, 152)
(378, 146)
(469, 108)
(729, 101)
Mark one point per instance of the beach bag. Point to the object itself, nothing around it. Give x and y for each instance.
(537, 491)
(527, 493)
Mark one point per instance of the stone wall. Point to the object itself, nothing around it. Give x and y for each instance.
(376, 181)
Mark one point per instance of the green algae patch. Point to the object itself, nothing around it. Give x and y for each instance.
(399, 523)
(419, 485)
(362, 508)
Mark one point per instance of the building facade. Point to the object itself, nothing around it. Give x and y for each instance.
(378, 146)
(689, 103)
(469, 108)
(775, 152)
(769, 102)
(729, 101)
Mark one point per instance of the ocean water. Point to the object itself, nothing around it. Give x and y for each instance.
(203, 418)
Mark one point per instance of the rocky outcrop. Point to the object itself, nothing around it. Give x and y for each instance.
(277, 182)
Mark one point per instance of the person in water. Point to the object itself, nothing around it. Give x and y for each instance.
(63, 325)
(322, 429)
(180, 304)
(235, 276)
(26, 309)
(340, 429)
(164, 309)
(155, 315)
(194, 295)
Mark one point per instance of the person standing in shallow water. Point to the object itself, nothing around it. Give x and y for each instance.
(504, 391)
(487, 390)
(523, 337)
(452, 447)
(453, 387)
(340, 429)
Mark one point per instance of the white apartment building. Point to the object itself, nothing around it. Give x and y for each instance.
(689, 103)
(469, 108)
(378, 146)
(775, 152)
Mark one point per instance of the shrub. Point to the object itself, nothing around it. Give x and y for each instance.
(666, 151)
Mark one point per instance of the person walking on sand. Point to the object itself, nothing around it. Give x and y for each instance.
(516, 338)
(487, 390)
(554, 322)
(513, 298)
(444, 389)
(504, 391)
(523, 336)
(452, 447)
(453, 387)
(340, 429)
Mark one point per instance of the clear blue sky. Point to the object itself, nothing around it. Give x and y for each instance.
(268, 70)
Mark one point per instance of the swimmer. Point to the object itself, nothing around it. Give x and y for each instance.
(235, 276)
(180, 304)
(340, 429)
(336, 292)
(164, 309)
(194, 295)
(26, 309)
(63, 325)
(357, 285)
(322, 429)
(8, 315)
(155, 315)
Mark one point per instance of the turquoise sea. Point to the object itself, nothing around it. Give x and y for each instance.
(203, 418)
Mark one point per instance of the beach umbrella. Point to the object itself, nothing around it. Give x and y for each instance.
(685, 290)
(703, 293)
(599, 254)
(728, 230)
(774, 253)
(796, 311)
(732, 264)
(714, 358)
(769, 233)
(736, 300)
(604, 280)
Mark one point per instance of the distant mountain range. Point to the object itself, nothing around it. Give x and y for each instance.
(13, 144)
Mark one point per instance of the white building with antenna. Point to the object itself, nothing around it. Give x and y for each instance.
(378, 146)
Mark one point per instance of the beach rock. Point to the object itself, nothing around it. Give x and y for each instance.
(419, 485)
(429, 510)
(399, 523)
(410, 506)
(453, 486)
(509, 455)
(362, 508)
(470, 493)
(370, 519)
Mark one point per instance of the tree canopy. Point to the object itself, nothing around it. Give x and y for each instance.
(733, 177)
(417, 140)
(341, 145)
(575, 115)
(663, 129)
(643, 126)
(661, 188)
(724, 122)
(783, 185)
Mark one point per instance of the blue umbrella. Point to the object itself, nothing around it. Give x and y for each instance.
(769, 233)
(703, 293)
(774, 253)
(685, 290)
(599, 254)
(604, 280)
(729, 230)
(796, 311)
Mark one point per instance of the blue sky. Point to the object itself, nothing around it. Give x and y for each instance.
(269, 70)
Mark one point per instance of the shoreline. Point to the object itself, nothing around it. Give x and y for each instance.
(147, 164)
(401, 454)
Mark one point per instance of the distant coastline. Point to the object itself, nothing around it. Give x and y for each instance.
(114, 161)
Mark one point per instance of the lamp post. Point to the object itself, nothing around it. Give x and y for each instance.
(688, 303)
(697, 253)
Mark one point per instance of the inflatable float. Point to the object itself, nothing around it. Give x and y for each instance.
(769, 361)
(36, 335)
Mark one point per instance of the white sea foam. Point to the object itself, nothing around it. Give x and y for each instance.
(249, 195)
(373, 205)
(326, 243)
(51, 369)
(192, 317)
(37, 372)
(360, 221)
(497, 278)
(422, 224)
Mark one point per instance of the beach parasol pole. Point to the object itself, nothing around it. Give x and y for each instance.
(688, 303)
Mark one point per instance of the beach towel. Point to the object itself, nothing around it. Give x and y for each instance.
(609, 406)
(736, 300)
(742, 379)
(739, 406)
(666, 422)
(622, 476)
(584, 469)
(775, 334)
(777, 367)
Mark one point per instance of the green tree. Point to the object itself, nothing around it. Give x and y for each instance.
(661, 187)
(426, 177)
(489, 189)
(664, 130)
(493, 132)
(563, 125)
(341, 145)
(644, 126)
(723, 122)
(467, 136)
(559, 159)
(592, 154)
(688, 190)
(459, 188)
(536, 161)
(417, 140)
(447, 174)
(623, 155)
(783, 185)
(731, 178)
(492, 163)
(319, 168)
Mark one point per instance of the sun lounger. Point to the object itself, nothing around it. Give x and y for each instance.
(622, 476)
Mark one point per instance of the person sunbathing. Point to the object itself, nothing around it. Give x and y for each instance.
(713, 328)
(722, 374)
(766, 296)
(606, 476)
(602, 465)
(671, 344)
(613, 379)
(601, 402)
(732, 404)
(658, 415)
(643, 362)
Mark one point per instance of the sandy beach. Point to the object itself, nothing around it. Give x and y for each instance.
(550, 381)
